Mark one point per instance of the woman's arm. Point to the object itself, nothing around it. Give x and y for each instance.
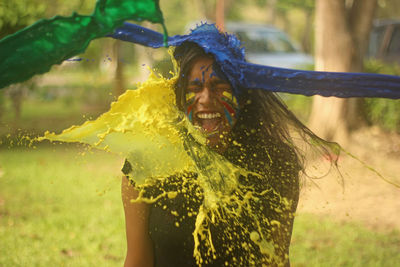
(139, 245)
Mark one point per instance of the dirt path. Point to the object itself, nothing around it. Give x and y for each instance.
(365, 197)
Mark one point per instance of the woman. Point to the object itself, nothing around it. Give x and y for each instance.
(251, 132)
(223, 194)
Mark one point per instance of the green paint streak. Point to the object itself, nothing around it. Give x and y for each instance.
(35, 49)
(387, 180)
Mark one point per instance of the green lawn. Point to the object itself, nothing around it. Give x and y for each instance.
(61, 208)
(322, 242)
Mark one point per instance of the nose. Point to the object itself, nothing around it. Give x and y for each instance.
(206, 97)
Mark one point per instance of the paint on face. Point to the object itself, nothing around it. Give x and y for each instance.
(210, 104)
(190, 97)
(231, 106)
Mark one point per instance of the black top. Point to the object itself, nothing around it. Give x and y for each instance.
(172, 218)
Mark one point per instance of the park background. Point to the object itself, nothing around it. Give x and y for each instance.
(60, 203)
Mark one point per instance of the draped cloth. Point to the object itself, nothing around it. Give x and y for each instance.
(229, 53)
(34, 49)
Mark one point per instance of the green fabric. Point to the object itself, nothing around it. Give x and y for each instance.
(35, 49)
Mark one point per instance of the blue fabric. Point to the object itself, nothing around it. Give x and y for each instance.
(228, 52)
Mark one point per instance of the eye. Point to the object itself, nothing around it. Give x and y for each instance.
(194, 88)
(223, 87)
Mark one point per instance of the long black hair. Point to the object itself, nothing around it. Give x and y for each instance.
(263, 115)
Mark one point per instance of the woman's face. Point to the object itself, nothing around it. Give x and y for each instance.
(210, 103)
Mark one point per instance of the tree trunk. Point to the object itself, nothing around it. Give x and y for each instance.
(1, 105)
(271, 11)
(209, 9)
(306, 39)
(119, 82)
(220, 15)
(15, 92)
(145, 61)
(342, 34)
(286, 21)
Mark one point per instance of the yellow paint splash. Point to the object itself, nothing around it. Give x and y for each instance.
(143, 126)
(146, 127)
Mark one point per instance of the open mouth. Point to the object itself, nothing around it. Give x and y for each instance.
(209, 121)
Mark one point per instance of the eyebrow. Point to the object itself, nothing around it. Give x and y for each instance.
(219, 81)
(195, 82)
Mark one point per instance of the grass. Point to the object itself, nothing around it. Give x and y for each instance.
(320, 241)
(59, 208)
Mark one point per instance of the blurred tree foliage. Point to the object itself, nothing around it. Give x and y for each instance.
(380, 111)
(384, 113)
(388, 9)
(307, 7)
(294, 17)
(17, 14)
(284, 6)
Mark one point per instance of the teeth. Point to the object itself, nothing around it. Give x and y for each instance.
(209, 115)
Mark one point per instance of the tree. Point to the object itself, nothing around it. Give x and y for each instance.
(119, 81)
(388, 9)
(18, 14)
(342, 34)
(220, 14)
(307, 6)
(15, 15)
(279, 9)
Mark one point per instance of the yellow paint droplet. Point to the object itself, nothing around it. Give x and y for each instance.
(174, 213)
(172, 195)
(254, 236)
